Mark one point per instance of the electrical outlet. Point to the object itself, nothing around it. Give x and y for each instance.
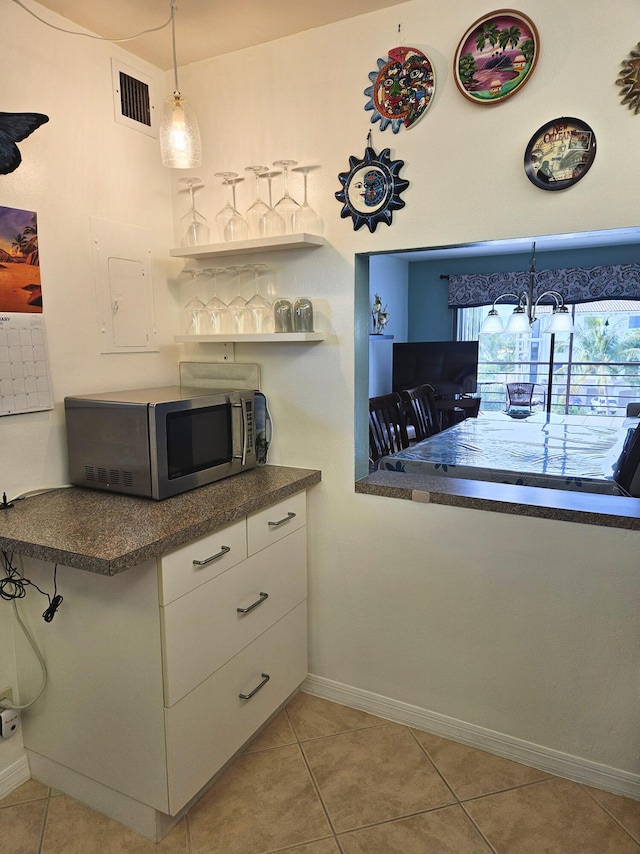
(9, 722)
(6, 694)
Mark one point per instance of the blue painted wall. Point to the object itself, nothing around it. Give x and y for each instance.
(431, 319)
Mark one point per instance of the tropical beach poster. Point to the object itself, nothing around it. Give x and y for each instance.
(20, 287)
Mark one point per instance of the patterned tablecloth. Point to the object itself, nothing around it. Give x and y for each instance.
(557, 452)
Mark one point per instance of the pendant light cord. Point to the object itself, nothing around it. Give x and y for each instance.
(103, 38)
(173, 46)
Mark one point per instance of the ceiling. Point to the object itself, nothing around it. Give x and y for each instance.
(204, 28)
(518, 245)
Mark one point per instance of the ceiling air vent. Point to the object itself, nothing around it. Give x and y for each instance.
(133, 101)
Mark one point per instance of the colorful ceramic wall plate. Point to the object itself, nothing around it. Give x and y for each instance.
(560, 153)
(629, 80)
(401, 89)
(496, 56)
(371, 189)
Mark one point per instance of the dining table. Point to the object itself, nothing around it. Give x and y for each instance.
(571, 452)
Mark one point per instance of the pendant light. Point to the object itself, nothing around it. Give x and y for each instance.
(524, 314)
(180, 145)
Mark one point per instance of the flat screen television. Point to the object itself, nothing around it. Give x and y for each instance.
(451, 367)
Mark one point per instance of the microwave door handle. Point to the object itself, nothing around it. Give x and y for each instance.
(243, 420)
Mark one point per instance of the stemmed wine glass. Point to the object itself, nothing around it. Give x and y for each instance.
(195, 231)
(287, 205)
(194, 310)
(231, 224)
(263, 220)
(217, 310)
(305, 219)
(238, 304)
(259, 314)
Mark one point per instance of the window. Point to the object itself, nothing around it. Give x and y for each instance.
(595, 371)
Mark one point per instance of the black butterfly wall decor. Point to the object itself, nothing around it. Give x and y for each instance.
(14, 127)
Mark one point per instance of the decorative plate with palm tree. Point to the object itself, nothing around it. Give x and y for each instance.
(496, 56)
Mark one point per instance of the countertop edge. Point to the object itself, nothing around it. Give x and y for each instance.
(587, 508)
(106, 533)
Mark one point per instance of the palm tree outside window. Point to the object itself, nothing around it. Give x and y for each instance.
(596, 370)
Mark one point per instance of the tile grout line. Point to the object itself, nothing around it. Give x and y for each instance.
(395, 818)
(451, 789)
(512, 789)
(345, 731)
(313, 780)
(602, 807)
(187, 827)
(44, 822)
(478, 829)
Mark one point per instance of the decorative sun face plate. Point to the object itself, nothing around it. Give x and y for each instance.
(371, 189)
(401, 89)
(629, 80)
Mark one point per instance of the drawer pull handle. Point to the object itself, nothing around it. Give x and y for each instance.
(287, 518)
(223, 551)
(265, 679)
(259, 601)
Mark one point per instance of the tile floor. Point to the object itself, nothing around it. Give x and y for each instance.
(327, 779)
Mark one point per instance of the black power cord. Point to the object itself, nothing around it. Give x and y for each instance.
(15, 585)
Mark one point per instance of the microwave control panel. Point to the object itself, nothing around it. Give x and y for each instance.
(251, 438)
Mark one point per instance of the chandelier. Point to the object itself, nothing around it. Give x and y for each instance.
(524, 314)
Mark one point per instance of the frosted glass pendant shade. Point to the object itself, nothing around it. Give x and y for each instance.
(492, 324)
(518, 323)
(560, 321)
(180, 145)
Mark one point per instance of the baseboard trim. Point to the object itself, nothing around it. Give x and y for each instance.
(537, 756)
(14, 775)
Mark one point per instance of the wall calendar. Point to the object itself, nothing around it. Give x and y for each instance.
(25, 384)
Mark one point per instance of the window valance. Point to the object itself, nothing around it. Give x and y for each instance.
(580, 284)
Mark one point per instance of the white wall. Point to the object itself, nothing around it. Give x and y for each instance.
(527, 627)
(80, 164)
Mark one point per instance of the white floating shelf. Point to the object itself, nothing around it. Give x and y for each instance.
(245, 247)
(251, 337)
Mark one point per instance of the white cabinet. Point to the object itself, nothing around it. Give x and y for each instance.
(204, 629)
(160, 674)
(208, 726)
(192, 565)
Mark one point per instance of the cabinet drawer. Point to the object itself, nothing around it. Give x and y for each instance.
(277, 521)
(211, 723)
(216, 552)
(204, 629)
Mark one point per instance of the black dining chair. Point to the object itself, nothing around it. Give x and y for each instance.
(627, 470)
(387, 426)
(421, 410)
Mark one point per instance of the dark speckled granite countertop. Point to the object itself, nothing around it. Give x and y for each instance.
(610, 511)
(107, 533)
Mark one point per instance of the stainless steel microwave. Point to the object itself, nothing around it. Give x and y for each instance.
(158, 442)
